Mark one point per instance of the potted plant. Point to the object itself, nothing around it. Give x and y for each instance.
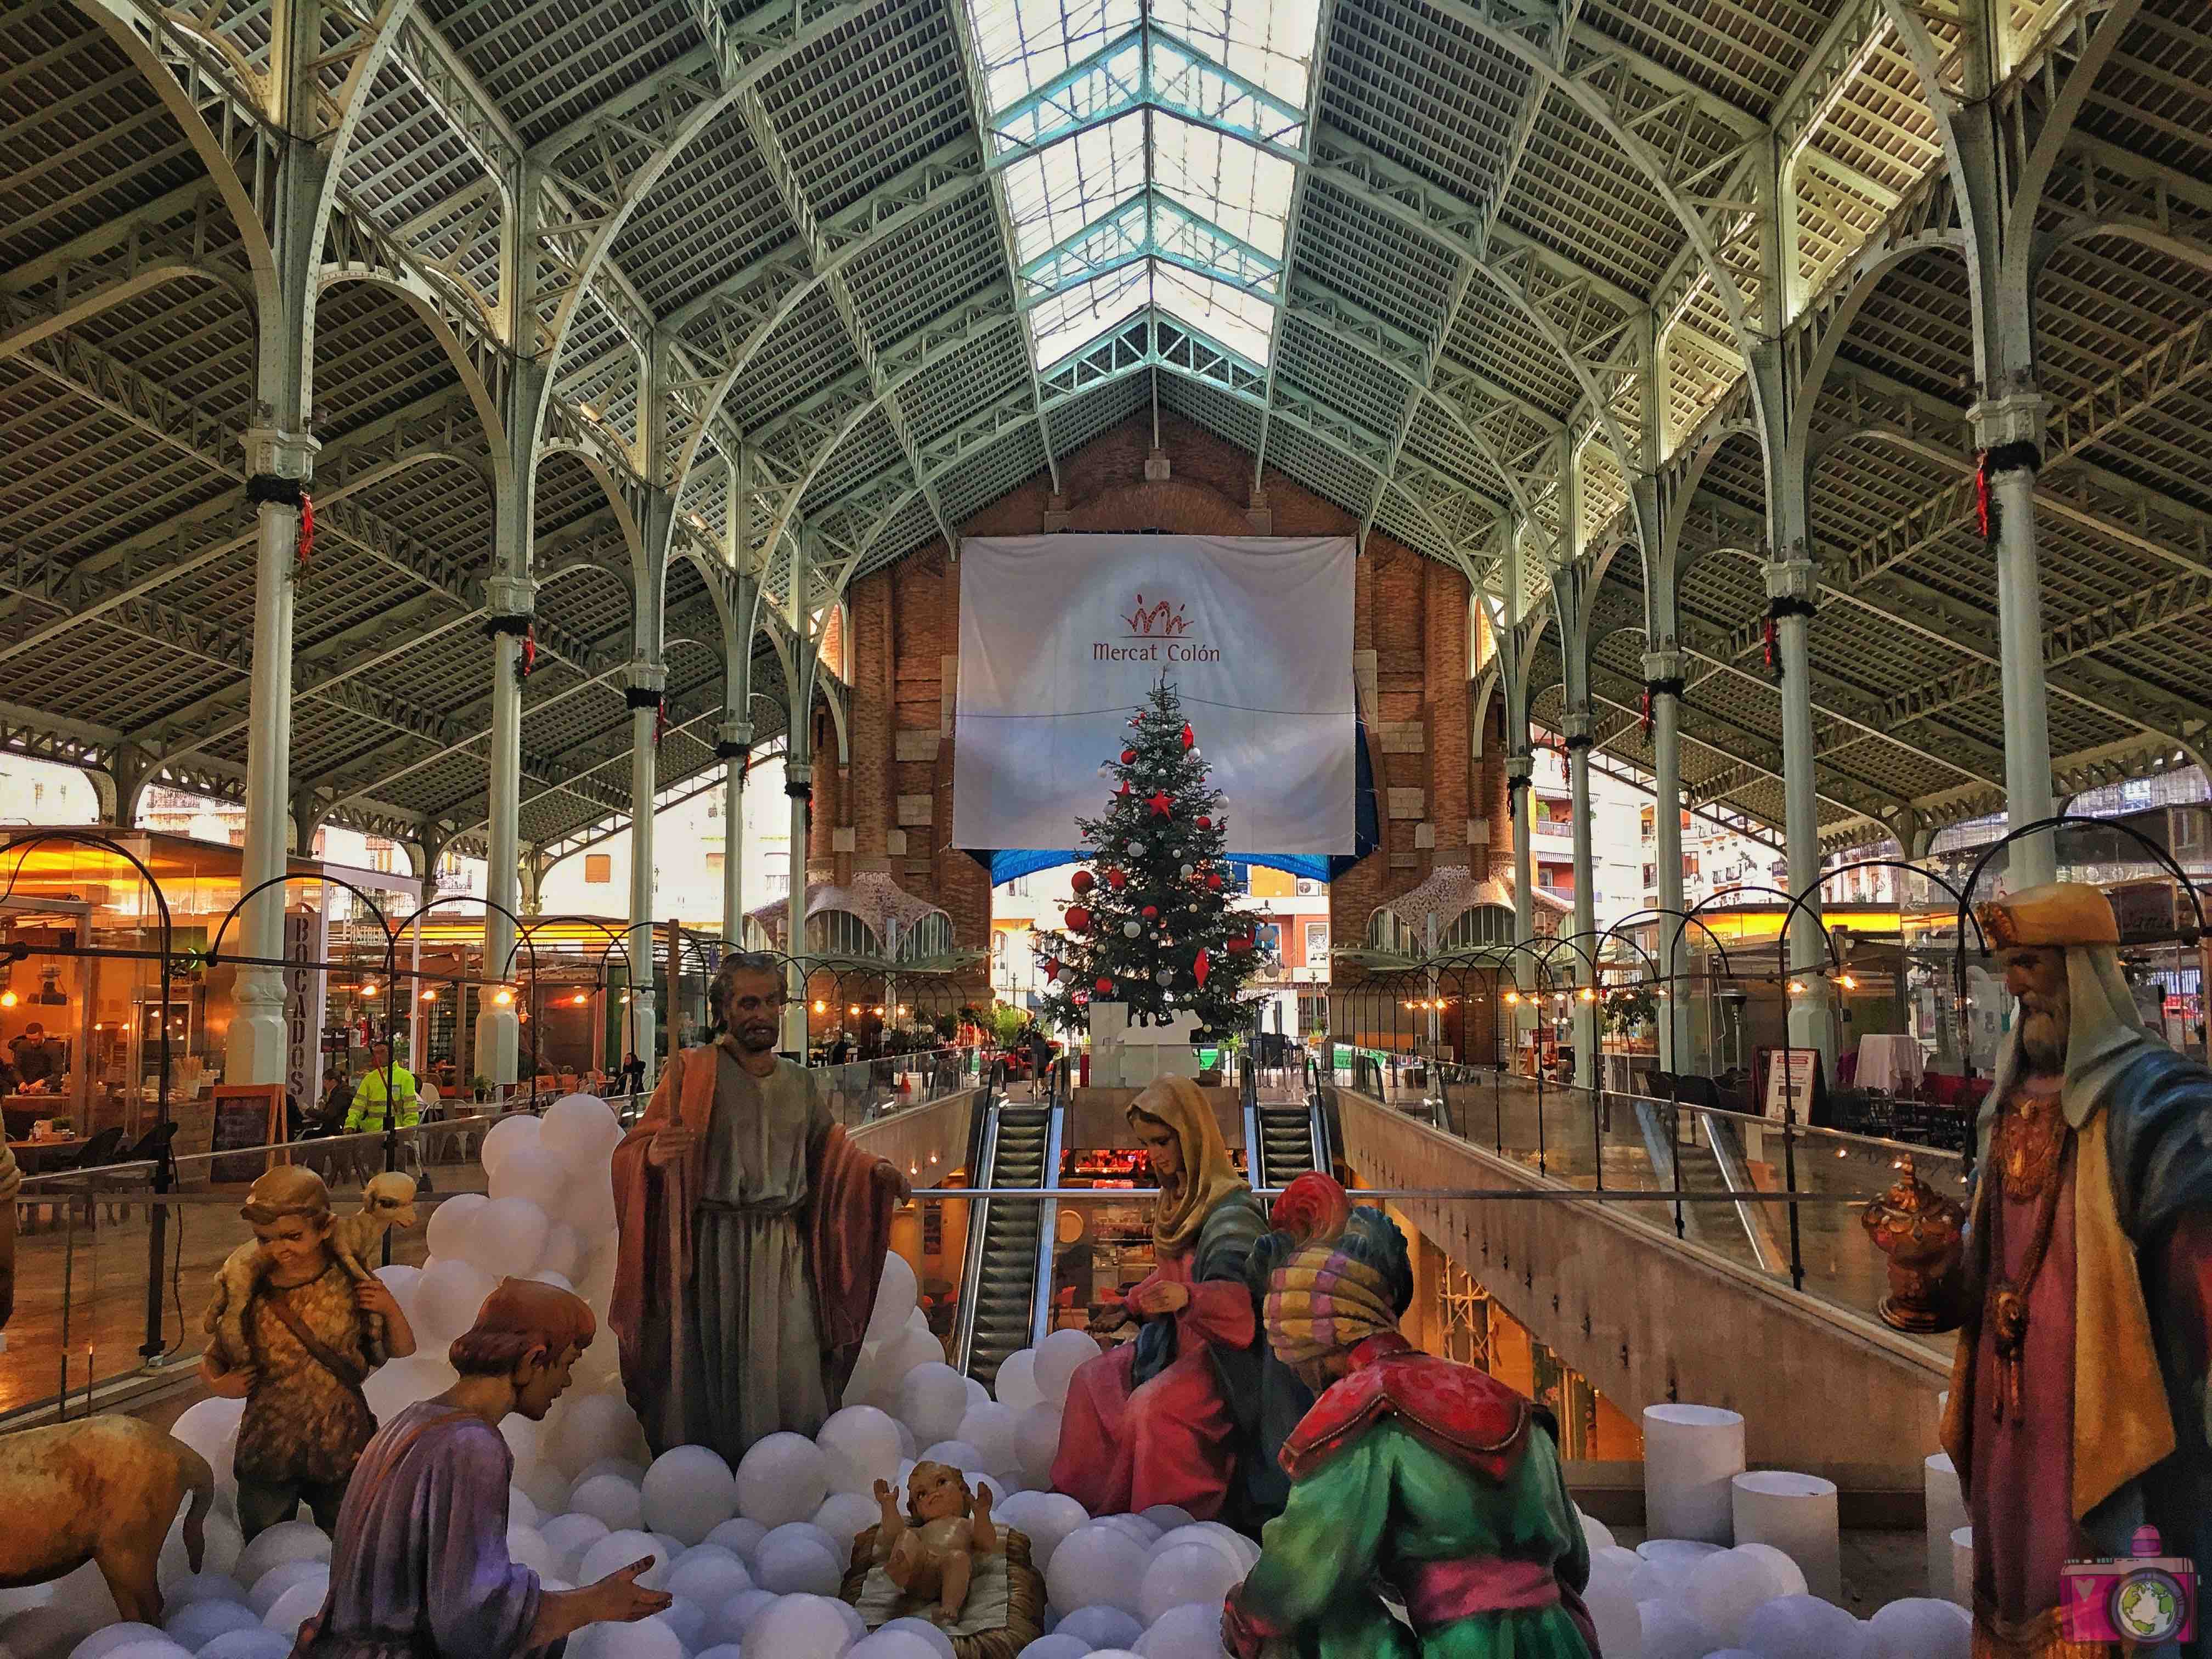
(480, 1088)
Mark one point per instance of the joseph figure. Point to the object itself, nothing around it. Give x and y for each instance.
(2078, 1407)
(752, 1236)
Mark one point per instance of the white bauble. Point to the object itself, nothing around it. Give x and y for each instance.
(446, 1234)
(448, 1298)
(1195, 1534)
(891, 1644)
(103, 1642)
(1058, 1357)
(954, 1455)
(1187, 1572)
(1055, 1646)
(689, 1491)
(844, 1516)
(740, 1537)
(1191, 1631)
(1016, 1385)
(1671, 1631)
(260, 1643)
(199, 1623)
(598, 1426)
(1803, 1628)
(708, 1577)
(509, 1134)
(569, 1535)
(399, 1383)
(940, 1642)
(581, 1130)
(783, 1478)
(527, 1545)
(618, 1550)
(730, 1621)
(801, 1627)
(1049, 1518)
(791, 1565)
(1612, 1611)
(296, 1606)
(1101, 1624)
(992, 1429)
(534, 1174)
(287, 1540)
(1036, 1442)
(1097, 1565)
(859, 1446)
(933, 1399)
(611, 1500)
(186, 1588)
(1724, 1588)
(1599, 1534)
(1919, 1627)
(648, 1638)
(895, 1293)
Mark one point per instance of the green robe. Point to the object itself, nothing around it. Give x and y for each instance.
(1388, 1498)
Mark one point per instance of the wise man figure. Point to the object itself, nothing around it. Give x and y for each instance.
(2078, 1407)
(752, 1235)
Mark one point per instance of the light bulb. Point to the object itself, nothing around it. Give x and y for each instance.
(579, 1000)
(820, 1006)
(430, 996)
(503, 997)
(1796, 988)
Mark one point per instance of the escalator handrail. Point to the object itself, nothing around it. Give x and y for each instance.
(1255, 1142)
(1047, 1224)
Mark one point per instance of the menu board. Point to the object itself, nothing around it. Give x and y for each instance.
(245, 1114)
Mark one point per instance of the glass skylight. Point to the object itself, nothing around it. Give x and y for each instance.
(1149, 150)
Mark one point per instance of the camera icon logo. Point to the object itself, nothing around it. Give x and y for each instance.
(2145, 1599)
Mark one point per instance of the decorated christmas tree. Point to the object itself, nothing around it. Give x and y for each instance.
(1151, 926)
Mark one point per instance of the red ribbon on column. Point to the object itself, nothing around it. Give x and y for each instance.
(307, 528)
(1773, 651)
(1646, 711)
(527, 663)
(1985, 513)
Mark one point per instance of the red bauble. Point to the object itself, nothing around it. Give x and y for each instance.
(1129, 756)
(1239, 945)
(1104, 986)
(1161, 805)
(1117, 879)
(1188, 741)
(1151, 913)
(1202, 967)
(1077, 919)
(1213, 881)
(1206, 824)
(1082, 881)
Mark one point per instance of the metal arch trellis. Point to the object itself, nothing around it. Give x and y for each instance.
(616, 939)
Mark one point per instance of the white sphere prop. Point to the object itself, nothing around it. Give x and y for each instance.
(1612, 1611)
(1795, 1514)
(622, 1468)
(859, 1446)
(708, 1577)
(1055, 1646)
(447, 1299)
(1133, 1526)
(895, 1293)
(1017, 1384)
(545, 1484)
(534, 1176)
(527, 1545)
(891, 1644)
(566, 1252)
(1037, 1441)
(954, 1455)
(740, 1536)
(296, 1606)
(609, 1499)
(395, 1386)
(194, 1586)
(977, 1393)
(1691, 1453)
(932, 1399)
(509, 1134)
(101, 1642)
(401, 1278)
(909, 1349)
(522, 1510)
(991, 1428)
(689, 1491)
(1595, 1531)
(508, 1237)
(783, 1478)
(648, 1638)
(1803, 1628)
(272, 1586)
(1058, 1358)
(580, 1130)
(1237, 1540)
(801, 1627)
(569, 1535)
(1671, 1631)
(156, 1646)
(1196, 1534)
(1048, 1519)
(446, 1233)
(616, 1550)
(1920, 1627)
(940, 1642)
(1192, 1631)
(722, 1650)
(793, 1563)
(1166, 1517)
(260, 1643)
(1102, 1625)
(598, 1426)
(1185, 1573)
(198, 1622)
(731, 1621)
(1783, 1576)
(688, 1619)
(844, 1516)
(1097, 1565)
(1722, 1589)
(287, 1540)
(209, 1428)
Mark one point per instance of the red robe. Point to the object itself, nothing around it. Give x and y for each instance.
(848, 1229)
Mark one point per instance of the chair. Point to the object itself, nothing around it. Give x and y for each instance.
(152, 1147)
(101, 1149)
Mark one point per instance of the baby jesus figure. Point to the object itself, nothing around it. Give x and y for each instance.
(934, 1556)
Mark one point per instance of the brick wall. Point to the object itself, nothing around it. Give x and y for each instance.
(1411, 612)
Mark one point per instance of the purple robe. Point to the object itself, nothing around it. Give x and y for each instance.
(419, 1569)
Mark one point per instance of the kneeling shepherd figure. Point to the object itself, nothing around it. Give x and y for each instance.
(1428, 1475)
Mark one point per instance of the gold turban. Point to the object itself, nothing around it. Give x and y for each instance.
(2061, 912)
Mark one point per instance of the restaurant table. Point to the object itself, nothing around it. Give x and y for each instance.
(1889, 1063)
(30, 1156)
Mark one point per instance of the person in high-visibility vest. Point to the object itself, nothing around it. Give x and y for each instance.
(368, 1111)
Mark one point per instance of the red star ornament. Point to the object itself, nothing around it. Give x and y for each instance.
(1188, 741)
(1161, 805)
(1203, 966)
(1213, 881)
(1051, 970)
(1117, 879)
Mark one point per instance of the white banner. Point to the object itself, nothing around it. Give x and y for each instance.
(1061, 637)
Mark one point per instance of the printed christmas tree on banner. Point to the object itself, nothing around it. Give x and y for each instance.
(1151, 926)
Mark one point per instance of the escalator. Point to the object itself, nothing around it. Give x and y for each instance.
(1285, 1141)
(1009, 1240)
(1712, 1161)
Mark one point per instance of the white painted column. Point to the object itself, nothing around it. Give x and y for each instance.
(733, 744)
(798, 785)
(510, 601)
(647, 681)
(1578, 734)
(2010, 430)
(256, 1051)
(1791, 584)
(1662, 681)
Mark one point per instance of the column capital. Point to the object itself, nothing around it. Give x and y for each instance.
(510, 596)
(2015, 415)
(1520, 769)
(1792, 579)
(287, 454)
(1662, 668)
(798, 777)
(1574, 727)
(733, 740)
(642, 676)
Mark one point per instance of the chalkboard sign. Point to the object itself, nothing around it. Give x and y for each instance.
(245, 1114)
